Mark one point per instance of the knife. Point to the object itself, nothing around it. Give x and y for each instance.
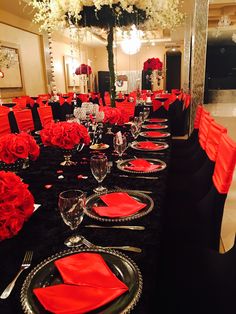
(117, 227)
(137, 177)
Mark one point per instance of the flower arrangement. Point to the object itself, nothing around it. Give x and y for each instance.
(83, 69)
(65, 135)
(16, 204)
(56, 14)
(153, 64)
(18, 146)
(113, 115)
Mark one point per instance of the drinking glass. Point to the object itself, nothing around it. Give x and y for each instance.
(99, 168)
(146, 112)
(135, 130)
(120, 145)
(71, 204)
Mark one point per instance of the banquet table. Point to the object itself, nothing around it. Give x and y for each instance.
(45, 232)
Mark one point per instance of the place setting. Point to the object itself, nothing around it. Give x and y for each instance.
(154, 134)
(155, 126)
(149, 146)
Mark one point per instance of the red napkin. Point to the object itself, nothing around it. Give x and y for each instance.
(156, 126)
(91, 284)
(155, 134)
(157, 120)
(149, 145)
(141, 165)
(119, 204)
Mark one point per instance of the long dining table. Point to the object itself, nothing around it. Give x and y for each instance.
(44, 233)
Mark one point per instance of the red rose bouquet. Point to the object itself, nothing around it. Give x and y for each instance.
(16, 204)
(152, 64)
(83, 69)
(18, 146)
(113, 115)
(64, 135)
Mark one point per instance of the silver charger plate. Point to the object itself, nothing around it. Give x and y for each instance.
(162, 134)
(163, 145)
(124, 163)
(95, 199)
(154, 126)
(157, 120)
(46, 274)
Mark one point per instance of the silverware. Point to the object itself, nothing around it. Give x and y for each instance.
(137, 177)
(141, 191)
(117, 227)
(125, 248)
(25, 264)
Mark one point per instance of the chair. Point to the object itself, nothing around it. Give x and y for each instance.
(4, 124)
(45, 115)
(24, 120)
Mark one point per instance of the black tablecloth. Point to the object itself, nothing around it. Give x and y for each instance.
(45, 231)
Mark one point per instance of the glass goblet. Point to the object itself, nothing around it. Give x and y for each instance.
(146, 112)
(120, 145)
(135, 130)
(99, 169)
(71, 204)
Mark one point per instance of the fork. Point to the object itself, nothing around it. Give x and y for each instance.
(25, 264)
(125, 248)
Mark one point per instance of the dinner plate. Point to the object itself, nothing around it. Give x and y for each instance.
(157, 120)
(153, 135)
(124, 163)
(100, 146)
(159, 146)
(155, 126)
(46, 274)
(138, 196)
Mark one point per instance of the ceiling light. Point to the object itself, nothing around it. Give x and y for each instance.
(131, 43)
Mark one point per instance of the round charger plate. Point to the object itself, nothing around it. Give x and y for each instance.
(46, 274)
(151, 134)
(95, 199)
(124, 163)
(99, 146)
(157, 120)
(159, 146)
(155, 126)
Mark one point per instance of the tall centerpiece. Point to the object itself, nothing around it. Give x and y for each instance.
(108, 14)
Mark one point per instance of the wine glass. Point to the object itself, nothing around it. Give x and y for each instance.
(120, 145)
(135, 130)
(146, 112)
(71, 204)
(99, 169)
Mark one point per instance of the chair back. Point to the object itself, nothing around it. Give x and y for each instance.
(4, 124)
(45, 115)
(204, 126)
(213, 139)
(225, 164)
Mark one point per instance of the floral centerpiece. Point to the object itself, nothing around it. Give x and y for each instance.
(83, 69)
(153, 68)
(16, 204)
(113, 116)
(66, 136)
(108, 15)
(17, 147)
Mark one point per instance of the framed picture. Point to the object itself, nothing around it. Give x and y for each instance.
(10, 67)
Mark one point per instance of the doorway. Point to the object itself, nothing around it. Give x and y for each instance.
(173, 70)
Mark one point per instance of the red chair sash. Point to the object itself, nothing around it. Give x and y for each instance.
(204, 126)
(213, 139)
(24, 120)
(225, 164)
(198, 116)
(4, 124)
(45, 115)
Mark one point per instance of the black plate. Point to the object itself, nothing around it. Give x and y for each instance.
(138, 196)
(46, 274)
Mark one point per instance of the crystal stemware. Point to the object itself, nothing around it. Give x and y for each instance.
(71, 204)
(135, 130)
(146, 112)
(120, 145)
(99, 169)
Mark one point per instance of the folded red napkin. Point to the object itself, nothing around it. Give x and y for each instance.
(157, 120)
(156, 126)
(155, 134)
(141, 165)
(149, 145)
(89, 284)
(119, 204)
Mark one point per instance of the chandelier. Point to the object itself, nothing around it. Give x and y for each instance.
(8, 57)
(131, 43)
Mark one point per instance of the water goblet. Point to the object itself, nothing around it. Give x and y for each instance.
(135, 130)
(120, 145)
(99, 169)
(146, 112)
(71, 204)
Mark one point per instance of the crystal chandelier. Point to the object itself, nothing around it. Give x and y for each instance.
(8, 57)
(234, 37)
(131, 43)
